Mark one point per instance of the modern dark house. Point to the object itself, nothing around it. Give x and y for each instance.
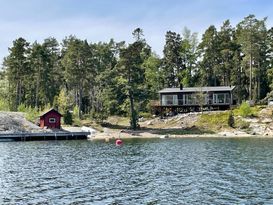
(195, 98)
(51, 119)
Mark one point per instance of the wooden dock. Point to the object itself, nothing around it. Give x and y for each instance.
(44, 136)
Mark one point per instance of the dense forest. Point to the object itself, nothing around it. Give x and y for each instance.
(116, 78)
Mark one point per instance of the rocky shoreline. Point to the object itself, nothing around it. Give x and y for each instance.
(260, 126)
(15, 122)
(112, 135)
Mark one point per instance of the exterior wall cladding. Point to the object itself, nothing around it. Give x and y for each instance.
(51, 119)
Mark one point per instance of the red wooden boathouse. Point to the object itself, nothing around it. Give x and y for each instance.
(51, 119)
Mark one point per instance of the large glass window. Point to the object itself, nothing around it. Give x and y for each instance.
(221, 98)
(169, 100)
(190, 99)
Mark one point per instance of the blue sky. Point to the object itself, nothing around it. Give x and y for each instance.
(100, 20)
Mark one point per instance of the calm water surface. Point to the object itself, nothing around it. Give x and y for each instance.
(180, 171)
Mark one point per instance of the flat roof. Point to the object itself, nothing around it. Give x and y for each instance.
(197, 89)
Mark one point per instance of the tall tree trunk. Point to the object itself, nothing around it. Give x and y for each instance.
(239, 87)
(250, 77)
(133, 120)
(17, 95)
(76, 96)
(20, 93)
(259, 83)
(37, 89)
(80, 102)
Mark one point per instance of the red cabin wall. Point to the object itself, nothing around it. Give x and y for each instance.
(44, 120)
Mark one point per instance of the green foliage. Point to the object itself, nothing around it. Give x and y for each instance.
(62, 102)
(213, 121)
(4, 106)
(146, 115)
(245, 110)
(231, 120)
(171, 62)
(22, 108)
(17, 70)
(99, 116)
(251, 34)
(255, 110)
(153, 76)
(115, 78)
(46, 108)
(77, 122)
(76, 111)
(241, 124)
(68, 118)
(132, 75)
(32, 114)
(4, 92)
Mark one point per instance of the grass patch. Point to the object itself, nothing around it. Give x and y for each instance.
(145, 115)
(188, 131)
(218, 121)
(241, 124)
(213, 121)
(118, 121)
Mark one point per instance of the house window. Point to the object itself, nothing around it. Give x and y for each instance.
(52, 120)
(169, 100)
(190, 99)
(221, 98)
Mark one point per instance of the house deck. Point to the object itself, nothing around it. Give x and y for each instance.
(181, 100)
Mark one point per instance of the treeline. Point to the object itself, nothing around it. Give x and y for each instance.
(115, 78)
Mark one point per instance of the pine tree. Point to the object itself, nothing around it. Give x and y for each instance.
(251, 36)
(132, 74)
(172, 62)
(17, 68)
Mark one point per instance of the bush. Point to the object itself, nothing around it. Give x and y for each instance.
(4, 106)
(32, 114)
(242, 124)
(213, 121)
(231, 120)
(76, 112)
(145, 115)
(68, 118)
(245, 110)
(22, 108)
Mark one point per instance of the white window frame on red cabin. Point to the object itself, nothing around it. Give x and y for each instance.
(52, 120)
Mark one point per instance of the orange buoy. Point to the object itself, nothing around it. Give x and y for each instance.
(119, 142)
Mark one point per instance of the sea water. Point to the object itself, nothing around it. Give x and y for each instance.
(162, 171)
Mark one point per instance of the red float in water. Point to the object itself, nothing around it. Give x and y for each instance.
(119, 142)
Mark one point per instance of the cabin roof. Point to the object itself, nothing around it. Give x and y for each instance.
(51, 110)
(197, 89)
